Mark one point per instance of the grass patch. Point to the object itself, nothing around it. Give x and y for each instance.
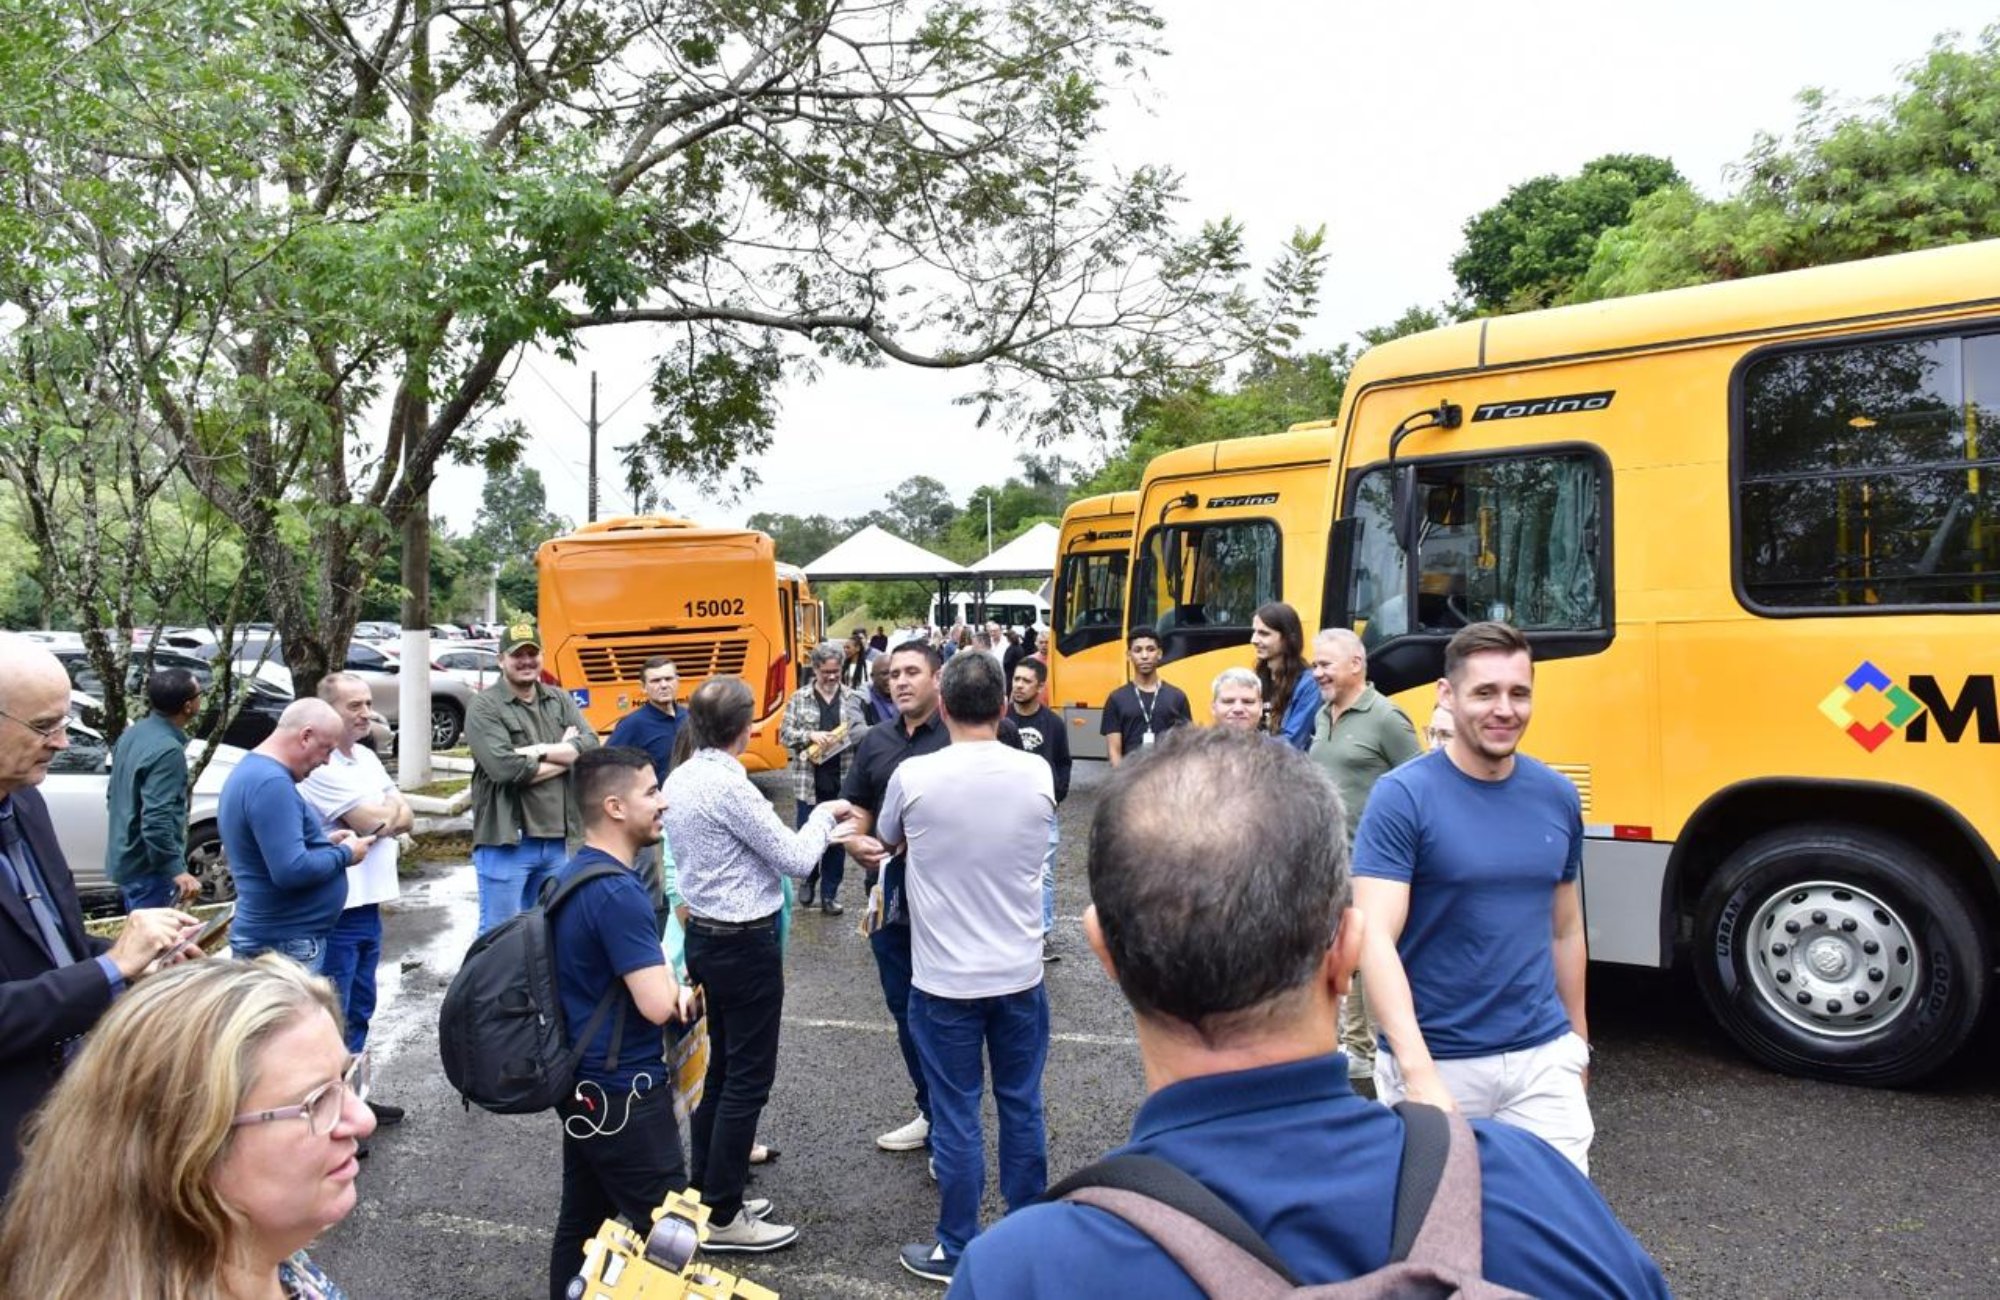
(424, 850)
(443, 788)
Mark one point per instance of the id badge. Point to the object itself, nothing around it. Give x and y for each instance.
(1146, 740)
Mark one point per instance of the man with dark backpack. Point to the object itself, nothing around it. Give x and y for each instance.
(1254, 1169)
(621, 1144)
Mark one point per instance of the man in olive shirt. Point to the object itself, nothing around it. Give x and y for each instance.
(524, 735)
(1358, 735)
(146, 852)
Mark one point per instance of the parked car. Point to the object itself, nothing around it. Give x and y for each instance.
(76, 792)
(477, 667)
(257, 718)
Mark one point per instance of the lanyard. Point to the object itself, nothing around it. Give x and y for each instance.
(1146, 704)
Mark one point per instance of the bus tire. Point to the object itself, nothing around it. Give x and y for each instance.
(1841, 953)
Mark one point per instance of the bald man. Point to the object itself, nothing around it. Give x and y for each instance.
(55, 980)
(291, 877)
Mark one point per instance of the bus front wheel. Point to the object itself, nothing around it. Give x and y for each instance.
(1841, 953)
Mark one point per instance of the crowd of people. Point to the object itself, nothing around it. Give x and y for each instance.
(1245, 878)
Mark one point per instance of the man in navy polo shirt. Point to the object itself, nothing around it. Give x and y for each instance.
(653, 727)
(1248, 1091)
(621, 1145)
(1466, 862)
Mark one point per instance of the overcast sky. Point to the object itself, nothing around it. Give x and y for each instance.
(1391, 125)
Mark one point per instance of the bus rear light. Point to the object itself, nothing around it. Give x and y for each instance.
(1631, 832)
(774, 683)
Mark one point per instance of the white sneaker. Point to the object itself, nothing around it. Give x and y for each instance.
(910, 1137)
(748, 1236)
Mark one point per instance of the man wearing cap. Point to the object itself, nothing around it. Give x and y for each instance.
(524, 736)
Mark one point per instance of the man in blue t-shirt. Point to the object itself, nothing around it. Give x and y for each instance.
(1247, 1090)
(621, 1144)
(1466, 865)
(653, 727)
(291, 877)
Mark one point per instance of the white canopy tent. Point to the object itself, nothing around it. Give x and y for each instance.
(1031, 555)
(877, 555)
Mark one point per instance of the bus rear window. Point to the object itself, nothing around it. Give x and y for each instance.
(1868, 476)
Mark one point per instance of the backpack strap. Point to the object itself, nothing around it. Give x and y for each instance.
(554, 895)
(1438, 1193)
(1209, 1240)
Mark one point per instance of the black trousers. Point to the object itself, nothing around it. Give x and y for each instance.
(743, 982)
(624, 1172)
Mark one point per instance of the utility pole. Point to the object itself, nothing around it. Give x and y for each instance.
(593, 448)
(989, 523)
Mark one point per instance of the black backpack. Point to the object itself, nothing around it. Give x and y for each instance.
(1434, 1250)
(501, 1031)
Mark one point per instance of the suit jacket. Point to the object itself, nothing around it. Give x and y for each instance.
(40, 1006)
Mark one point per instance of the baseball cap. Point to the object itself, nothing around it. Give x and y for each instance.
(519, 634)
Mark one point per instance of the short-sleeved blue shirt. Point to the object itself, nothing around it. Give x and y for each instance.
(1482, 860)
(1313, 1169)
(601, 934)
(653, 730)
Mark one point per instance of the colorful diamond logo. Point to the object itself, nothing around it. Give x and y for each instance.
(1867, 677)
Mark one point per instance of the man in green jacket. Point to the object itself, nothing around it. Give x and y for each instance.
(1358, 735)
(146, 852)
(524, 735)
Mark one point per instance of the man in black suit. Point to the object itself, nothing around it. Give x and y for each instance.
(55, 980)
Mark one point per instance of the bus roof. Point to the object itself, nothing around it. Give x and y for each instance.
(1961, 277)
(652, 530)
(1299, 445)
(1105, 505)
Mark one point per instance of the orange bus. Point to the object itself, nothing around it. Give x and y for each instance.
(1086, 627)
(714, 600)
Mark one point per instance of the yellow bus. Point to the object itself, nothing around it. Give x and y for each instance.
(1753, 531)
(714, 600)
(1222, 528)
(804, 614)
(1086, 626)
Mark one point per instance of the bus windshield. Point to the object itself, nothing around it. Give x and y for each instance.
(1090, 599)
(1207, 576)
(1514, 538)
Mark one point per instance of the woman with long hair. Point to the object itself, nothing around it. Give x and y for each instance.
(733, 854)
(1291, 696)
(205, 1135)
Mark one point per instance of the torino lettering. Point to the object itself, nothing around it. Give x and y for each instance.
(1567, 404)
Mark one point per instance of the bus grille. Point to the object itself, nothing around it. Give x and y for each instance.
(1579, 776)
(694, 660)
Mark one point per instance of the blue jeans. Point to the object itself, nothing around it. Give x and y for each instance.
(1014, 1033)
(832, 863)
(1049, 880)
(352, 951)
(309, 953)
(150, 891)
(511, 876)
(893, 963)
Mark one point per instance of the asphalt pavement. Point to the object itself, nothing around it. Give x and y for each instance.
(1741, 1182)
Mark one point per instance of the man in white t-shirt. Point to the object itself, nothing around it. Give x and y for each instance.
(353, 790)
(975, 818)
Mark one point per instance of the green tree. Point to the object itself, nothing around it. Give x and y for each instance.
(800, 539)
(290, 214)
(919, 510)
(1531, 247)
(1915, 169)
(514, 520)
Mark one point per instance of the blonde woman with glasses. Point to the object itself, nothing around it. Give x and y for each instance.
(202, 1138)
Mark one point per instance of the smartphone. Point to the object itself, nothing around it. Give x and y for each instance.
(213, 934)
(377, 832)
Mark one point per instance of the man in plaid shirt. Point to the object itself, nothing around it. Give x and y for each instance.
(823, 722)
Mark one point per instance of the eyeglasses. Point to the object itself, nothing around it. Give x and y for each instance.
(1437, 736)
(322, 1107)
(44, 731)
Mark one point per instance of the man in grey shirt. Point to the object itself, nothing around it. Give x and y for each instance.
(975, 817)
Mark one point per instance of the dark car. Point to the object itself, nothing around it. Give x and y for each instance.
(262, 702)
